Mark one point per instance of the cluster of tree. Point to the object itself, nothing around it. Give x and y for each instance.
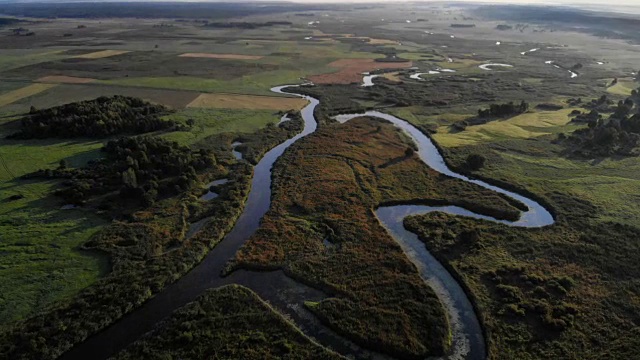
(246, 25)
(463, 25)
(504, 27)
(22, 32)
(475, 162)
(618, 135)
(602, 104)
(4, 21)
(141, 169)
(104, 116)
(544, 303)
(148, 251)
(495, 111)
(504, 110)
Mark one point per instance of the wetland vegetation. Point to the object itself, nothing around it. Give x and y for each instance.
(114, 117)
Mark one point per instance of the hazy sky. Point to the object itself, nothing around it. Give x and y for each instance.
(557, 2)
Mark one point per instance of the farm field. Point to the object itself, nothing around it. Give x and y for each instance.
(159, 200)
(25, 92)
(231, 101)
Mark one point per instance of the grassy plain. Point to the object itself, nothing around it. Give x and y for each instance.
(215, 121)
(16, 58)
(258, 84)
(623, 87)
(524, 126)
(39, 258)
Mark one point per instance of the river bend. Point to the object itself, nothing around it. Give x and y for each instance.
(468, 342)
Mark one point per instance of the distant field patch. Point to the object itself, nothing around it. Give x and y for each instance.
(233, 101)
(522, 126)
(15, 95)
(101, 54)
(222, 56)
(61, 79)
(623, 87)
(374, 41)
(350, 70)
(394, 76)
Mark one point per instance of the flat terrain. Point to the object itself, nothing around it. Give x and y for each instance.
(567, 291)
(65, 79)
(350, 70)
(25, 92)
(222, 56)
(101, 54)
(232, 101)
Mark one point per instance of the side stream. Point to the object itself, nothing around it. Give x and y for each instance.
(467, 339)
(468, 342)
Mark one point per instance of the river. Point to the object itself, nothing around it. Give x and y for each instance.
(468, 341)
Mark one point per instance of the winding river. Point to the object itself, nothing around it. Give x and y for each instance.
(468, 342)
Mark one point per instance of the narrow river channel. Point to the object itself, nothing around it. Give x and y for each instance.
(468, 342)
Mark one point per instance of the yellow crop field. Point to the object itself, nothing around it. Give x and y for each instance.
(101, 54)
(222, 56)
(15, 95)
(61, 79)
(234, 101)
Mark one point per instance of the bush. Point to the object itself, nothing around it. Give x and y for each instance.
(475, 162)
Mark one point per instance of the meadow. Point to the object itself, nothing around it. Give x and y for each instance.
(40, 261)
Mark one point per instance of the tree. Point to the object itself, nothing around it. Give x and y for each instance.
(409, 152)
(63, 164)
(475, 161)
(129, 178)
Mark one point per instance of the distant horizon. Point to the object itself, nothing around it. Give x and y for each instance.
(635, 3)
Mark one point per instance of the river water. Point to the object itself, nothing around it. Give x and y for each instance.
(468, 342)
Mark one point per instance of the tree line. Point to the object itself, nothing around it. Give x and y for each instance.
(504, 110)
(138, 169)
(617, 135)
(101, 117)
(495, 111)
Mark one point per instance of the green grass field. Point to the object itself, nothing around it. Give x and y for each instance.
(15, 58)
(214, 121)
(39, 259)
(528, 125)
(258, 84)
(610, 184)
(623, 87)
